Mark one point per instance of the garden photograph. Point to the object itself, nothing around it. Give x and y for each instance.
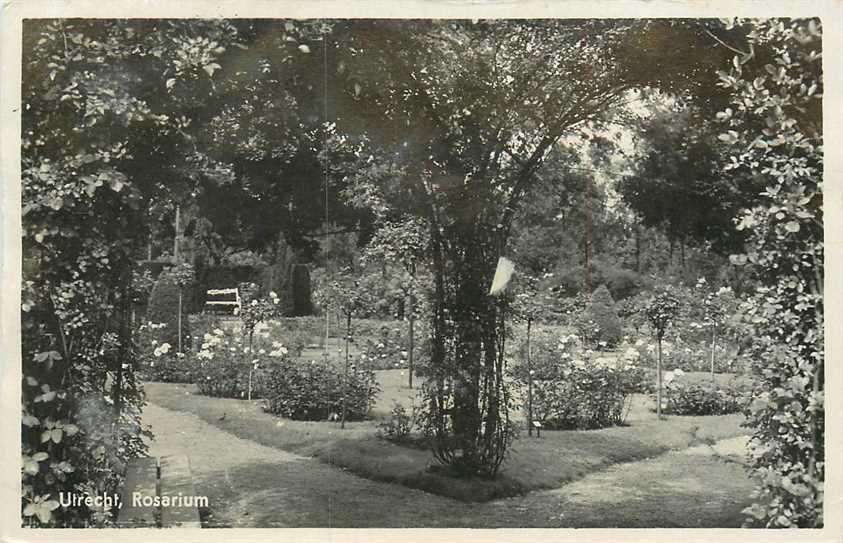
(421, 273)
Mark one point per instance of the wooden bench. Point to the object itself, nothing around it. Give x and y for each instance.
(224, 305)
(150, 478)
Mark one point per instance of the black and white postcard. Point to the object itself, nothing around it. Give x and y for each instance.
(480, 267)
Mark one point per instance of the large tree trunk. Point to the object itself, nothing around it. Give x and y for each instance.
(471, 421)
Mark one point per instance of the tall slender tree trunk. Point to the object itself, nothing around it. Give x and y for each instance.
(411, 354)
(176, 237)
(671, 243)
(587, 235)
(529, 381)
(345, 372)
(713, 340)
(251, 365)
(659, 378)
(179, 322)
(412, 322)
(638, 249)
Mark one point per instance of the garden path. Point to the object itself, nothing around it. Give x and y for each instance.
(251, 485)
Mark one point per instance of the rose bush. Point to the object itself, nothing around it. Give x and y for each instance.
(158, 360)
(706, 398)
(573, 389)
(310, 390)
(227, 367)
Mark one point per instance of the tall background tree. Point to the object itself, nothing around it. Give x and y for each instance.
(467, 113)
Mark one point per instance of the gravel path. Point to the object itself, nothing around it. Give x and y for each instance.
(251, 485)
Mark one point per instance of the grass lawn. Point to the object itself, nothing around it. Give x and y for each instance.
(252, 485)
(559, 457)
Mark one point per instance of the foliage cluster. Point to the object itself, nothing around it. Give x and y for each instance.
(227, 366)
(314, 391)
(400, 424)
(164, 308)
(701, 398)
(599, 324)
(574, 390)
(773, 127)
(159, 360)
(94, 147)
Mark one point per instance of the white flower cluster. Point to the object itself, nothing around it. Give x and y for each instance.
(279, 351)
(209, 342)
(164, 348)
(671, 375)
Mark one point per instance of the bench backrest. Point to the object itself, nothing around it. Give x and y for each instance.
(224, 304)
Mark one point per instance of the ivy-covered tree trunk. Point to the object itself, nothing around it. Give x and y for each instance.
(468, 398)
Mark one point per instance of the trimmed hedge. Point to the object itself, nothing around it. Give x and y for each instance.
(621, 282)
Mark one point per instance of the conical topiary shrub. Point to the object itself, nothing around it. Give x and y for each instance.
(601, 311)
(300, 290)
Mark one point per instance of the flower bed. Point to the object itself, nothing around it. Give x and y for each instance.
(712, 398)
(573, 390)
(315, 391)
